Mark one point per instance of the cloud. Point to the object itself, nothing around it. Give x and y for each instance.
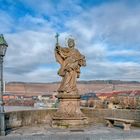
(52, 7)
(28, 50)
(102, 31)
(43, 75)
(6, 22)
(56, 12)
(110, 29)
(30, 22)
(113, 23)
(110, 70)
(128, 53)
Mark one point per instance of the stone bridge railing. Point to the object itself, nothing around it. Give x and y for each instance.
(31, 117)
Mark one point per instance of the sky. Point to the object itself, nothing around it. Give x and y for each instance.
(107, 32)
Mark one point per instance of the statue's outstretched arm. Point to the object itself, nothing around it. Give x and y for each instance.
(58, 57)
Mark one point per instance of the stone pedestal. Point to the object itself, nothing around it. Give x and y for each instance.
(69, 113)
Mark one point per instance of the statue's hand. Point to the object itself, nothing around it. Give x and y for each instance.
(82, 62)
(57, 48)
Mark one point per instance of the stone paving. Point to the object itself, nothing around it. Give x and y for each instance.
(98, 132)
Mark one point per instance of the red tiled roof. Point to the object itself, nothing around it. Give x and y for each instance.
(113, 93)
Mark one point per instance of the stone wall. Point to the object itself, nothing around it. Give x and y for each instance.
(32, 117)
(28, 117)
(97, 115)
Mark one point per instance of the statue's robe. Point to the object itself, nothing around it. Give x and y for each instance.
(71, 60)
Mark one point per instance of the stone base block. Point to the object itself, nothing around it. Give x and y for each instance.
(69, 113)
(67, 123)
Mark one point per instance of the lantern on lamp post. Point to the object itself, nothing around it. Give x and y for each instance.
(3, 48)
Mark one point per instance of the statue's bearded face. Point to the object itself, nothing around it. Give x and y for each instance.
(71, 43)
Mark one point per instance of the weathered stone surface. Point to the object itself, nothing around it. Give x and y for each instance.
(70, 60)
(44, 116)
(69, 113)
(98, 132)
(29, 117)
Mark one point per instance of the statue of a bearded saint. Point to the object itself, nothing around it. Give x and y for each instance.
(70, 60)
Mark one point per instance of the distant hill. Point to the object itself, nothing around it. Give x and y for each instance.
(83, 82)
(95, 86)
(108, 82)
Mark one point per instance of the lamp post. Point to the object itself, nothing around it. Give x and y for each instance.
(3, 47)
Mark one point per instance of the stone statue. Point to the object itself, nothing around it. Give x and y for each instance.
(69, 113)
(70, 60)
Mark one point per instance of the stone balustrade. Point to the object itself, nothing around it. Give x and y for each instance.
(31, 117)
